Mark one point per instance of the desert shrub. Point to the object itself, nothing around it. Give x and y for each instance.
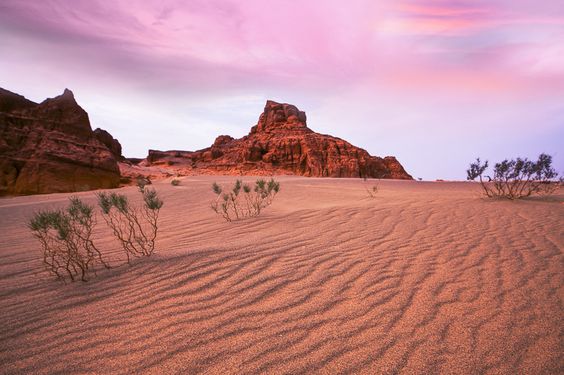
(65, 237)
(175, 182)
(371, 191)
(242, 200)
(135, 227)
(516, 178)
(141, 182)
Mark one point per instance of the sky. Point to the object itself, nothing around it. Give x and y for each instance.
(435, 83)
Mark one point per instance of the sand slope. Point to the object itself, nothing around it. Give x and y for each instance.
(426, 278)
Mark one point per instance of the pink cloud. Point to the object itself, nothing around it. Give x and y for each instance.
(442, 10)
(306, 41)
(461, 18)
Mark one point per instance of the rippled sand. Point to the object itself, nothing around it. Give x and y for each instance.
(425, 278)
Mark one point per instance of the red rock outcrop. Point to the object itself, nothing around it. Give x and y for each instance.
(50, 147)
(281, 143)
(110, 142)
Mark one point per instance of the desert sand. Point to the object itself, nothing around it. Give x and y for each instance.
(425, 278)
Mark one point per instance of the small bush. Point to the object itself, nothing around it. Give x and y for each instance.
(175, 182)
(372, 191)
(141, 182)
(135, 227)
(65, 236)
(516, 178)
(242, 200)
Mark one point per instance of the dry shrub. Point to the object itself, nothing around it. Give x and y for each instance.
(65, 236)
(135, 227)
(371, 191)
(516, 178)
(242, 200)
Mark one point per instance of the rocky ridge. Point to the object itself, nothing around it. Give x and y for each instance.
(50, 147)
(280, 143)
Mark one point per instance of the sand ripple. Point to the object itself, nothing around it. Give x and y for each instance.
(424, 279)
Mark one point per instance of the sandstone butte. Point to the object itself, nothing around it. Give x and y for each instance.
(50, 147)
(280, 143)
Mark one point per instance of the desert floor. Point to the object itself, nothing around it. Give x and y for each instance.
(425, 278)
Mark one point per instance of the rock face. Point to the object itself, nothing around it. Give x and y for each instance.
(110, 142)
(50, 147)
(281, 143)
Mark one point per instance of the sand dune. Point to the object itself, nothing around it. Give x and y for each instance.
(425, 278)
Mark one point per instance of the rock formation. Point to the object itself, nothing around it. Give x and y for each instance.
(281, 143)
(50, 147)
(110, 142)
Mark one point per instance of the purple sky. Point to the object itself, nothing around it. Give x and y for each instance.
(435, 83)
